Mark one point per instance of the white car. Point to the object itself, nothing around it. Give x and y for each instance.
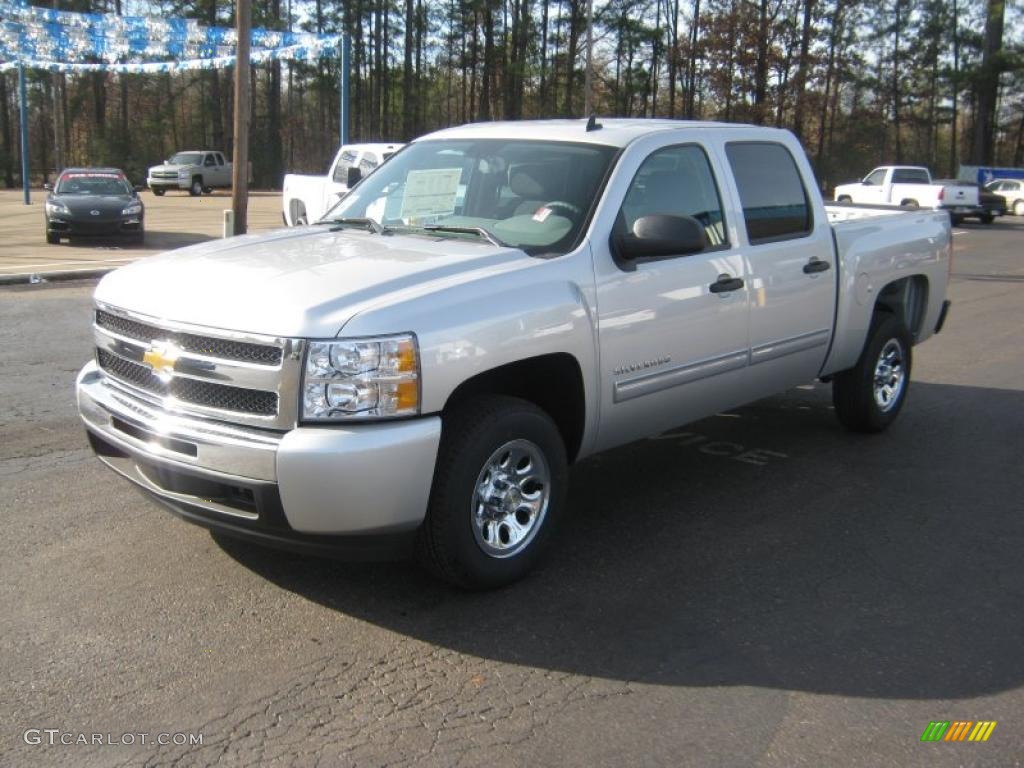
(910, 186)
(306, 199)
(1012, 191)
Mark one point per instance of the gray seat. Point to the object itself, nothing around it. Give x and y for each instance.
(534, 184)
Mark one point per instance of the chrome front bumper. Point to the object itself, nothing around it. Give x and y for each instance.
(332, 480)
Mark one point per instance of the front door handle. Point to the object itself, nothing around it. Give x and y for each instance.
(726, 283)
(816, 265)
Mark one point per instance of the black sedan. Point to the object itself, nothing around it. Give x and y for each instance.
(93, 202)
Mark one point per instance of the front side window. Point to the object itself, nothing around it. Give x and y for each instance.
(775, 203)
(533, 195)
(209, 161)
(677, 181)
(875, 178)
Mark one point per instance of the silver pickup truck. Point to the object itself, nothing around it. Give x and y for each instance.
(195, 171)
(416, 372)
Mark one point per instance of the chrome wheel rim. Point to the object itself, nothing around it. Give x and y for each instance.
(890, 376)
(510, 498)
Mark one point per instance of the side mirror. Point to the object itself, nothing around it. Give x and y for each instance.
(354, 176)
(48, 187)
(661, 235)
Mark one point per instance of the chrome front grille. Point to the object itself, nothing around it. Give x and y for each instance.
(206, 394)
(231, 377)
(209, 346)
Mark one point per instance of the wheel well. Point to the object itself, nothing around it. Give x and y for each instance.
(296, 207)
(909, 202)
(906, 298)
(554, 383)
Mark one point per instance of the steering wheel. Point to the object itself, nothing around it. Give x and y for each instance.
(574, 209)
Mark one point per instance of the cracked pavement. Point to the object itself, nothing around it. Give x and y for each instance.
(817, 604)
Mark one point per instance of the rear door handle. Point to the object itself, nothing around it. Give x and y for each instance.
(726, 283)
(816, 265)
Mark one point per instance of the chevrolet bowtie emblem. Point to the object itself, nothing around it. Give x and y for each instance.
(161, 358)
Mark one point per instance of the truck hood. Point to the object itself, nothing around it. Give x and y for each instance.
(303, 282)
(174, 168)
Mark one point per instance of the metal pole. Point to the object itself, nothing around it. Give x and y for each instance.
(343, 117)
(588, 100)
(240, 160)
(23, 116)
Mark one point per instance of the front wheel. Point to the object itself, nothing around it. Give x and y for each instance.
(53, 238)
(869, 396)
(499, 487)
(197, 187)
(1018, 208)
(159, 191)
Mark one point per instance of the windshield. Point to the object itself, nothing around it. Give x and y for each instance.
(186, 158)
(92, 184)
(533, 195)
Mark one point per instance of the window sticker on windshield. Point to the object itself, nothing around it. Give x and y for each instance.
(430, 192)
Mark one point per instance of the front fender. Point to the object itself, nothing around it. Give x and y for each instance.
(472, 327)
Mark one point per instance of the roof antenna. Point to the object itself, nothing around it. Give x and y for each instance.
(592, 124)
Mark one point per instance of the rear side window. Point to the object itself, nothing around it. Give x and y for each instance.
(910, 176)
(775, 204)
(346, 161)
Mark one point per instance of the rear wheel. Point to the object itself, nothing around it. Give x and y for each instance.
(844, 199)
(956, 221)
(869, 396)
(987, 218)
(53, 238)
(499, 487)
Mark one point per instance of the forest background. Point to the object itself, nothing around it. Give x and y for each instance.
(928, 82)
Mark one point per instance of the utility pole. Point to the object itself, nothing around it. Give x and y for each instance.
(23, 116)
(588, 77)
(240, 159)
(57, 79)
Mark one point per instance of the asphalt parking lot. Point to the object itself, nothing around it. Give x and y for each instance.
(172, 221)
(815, 605)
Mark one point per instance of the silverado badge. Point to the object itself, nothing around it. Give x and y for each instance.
(161, 357)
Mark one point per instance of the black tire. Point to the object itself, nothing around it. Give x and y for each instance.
(956, 221)
(196, 189)
(987, 218)
(472, 435)
(159, 191)
(53, 238)
(853, 391)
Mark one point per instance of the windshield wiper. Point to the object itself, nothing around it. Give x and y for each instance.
(368, 224)
(478, 231)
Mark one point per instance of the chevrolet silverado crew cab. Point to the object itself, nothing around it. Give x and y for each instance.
(193, 171)
(911, 186)
(497, 301)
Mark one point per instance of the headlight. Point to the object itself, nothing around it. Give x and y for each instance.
(53, 208)
(133, 208)
(361, 379)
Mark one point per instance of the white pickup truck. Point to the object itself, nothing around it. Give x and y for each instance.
(306, 198)
(910, 186)
(417, 371)
(196, 171)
